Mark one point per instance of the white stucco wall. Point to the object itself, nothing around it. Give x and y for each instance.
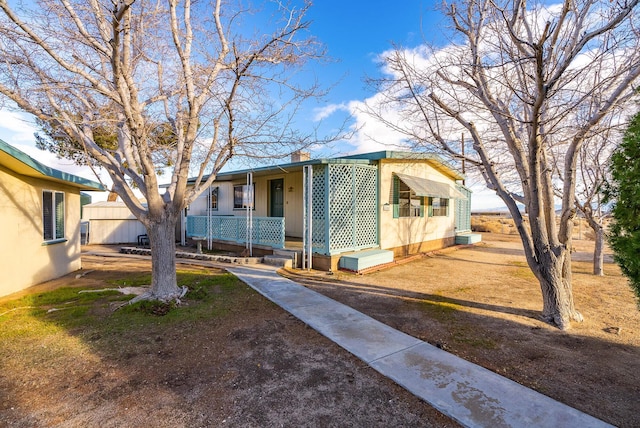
(24, 259)
(396, 232)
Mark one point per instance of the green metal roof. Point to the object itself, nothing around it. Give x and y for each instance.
(24, 164)
(286, 167)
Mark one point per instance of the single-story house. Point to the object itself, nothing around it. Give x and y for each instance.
(40, 217)
(399, 202)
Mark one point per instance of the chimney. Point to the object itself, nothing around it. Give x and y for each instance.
(299, 156)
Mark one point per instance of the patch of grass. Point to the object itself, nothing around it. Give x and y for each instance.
(151, 307)
(469, 336)
(440, 311)
(461, 332)
(60, 296)
(135, 280)
(92, 314)
(523, 272)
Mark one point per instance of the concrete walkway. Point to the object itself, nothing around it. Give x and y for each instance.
(468, 393)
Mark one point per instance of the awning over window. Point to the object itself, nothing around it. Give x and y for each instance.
(434, 189)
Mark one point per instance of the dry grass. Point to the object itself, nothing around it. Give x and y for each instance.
(506, 225)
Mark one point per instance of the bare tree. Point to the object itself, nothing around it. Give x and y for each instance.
(519, 79)
(592, 174)
(223, 85)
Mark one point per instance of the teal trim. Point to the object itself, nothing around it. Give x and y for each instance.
(54, 241)
(49, 172)
(396, 193)
(58, 205)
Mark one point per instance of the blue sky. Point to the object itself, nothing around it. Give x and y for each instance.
(355, 34)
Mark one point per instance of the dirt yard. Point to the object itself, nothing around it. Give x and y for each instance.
(254, 365)
(248, 365)
(482, 303)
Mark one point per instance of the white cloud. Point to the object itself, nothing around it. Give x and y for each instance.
(324, 112)
(16, 127)
(370, 134)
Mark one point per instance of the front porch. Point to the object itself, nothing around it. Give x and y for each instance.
(265, 231)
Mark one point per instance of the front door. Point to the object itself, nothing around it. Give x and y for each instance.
(276, 198)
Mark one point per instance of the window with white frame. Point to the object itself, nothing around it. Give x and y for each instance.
(213, 202)
(438, 207)
(406, 203)
(52, 215)
(240, 196)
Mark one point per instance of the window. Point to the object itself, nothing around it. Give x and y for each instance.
(438, 207)
(52, 215)
(213, 203)
(406, 203)
(241, 197)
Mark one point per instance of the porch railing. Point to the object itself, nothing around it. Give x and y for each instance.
(268, 231)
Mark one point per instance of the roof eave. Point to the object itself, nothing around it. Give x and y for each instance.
(24, 164)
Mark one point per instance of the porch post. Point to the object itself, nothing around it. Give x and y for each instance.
(249, 205)
(307, 216)
(209, 213)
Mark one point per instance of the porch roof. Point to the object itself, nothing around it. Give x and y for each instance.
(361, 159)
(288, 167)
(434, 189)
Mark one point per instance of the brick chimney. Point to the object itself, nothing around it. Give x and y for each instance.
(299, 156)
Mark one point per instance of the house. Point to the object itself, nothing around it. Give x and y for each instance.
(378, 205)
(40, 217)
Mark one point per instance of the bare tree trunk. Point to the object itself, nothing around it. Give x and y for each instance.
(554, 274)
(162, 241)
(598, 251)
(551, 264)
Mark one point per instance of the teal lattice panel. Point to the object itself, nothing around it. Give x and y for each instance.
(353, 220)
(266, 230)
(319, 216)
(341, 207)
(366, 215)
(463, 210)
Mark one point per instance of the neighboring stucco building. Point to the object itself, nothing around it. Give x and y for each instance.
(401, 202)
(40, 217)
